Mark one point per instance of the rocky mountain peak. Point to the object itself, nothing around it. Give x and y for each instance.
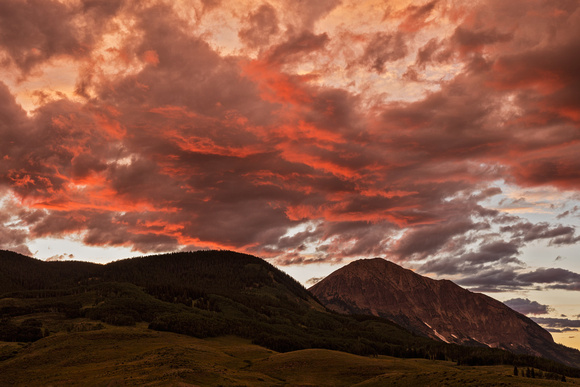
(439, 309)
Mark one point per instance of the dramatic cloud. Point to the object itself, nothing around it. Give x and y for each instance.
(304, 132)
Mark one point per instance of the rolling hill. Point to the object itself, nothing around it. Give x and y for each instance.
(136, 356)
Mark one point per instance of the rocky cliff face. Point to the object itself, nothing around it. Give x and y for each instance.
(438, 309)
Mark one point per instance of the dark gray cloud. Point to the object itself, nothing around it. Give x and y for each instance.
(491, 280)
(527, 307)
(553, 276)
(558, 235)
(557, 322)
(492, 252)
(511, 278)
(556, 330)
(477, 266)
(567, 213)
(427, 240)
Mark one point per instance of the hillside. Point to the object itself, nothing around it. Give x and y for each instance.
(133, 356)
(205, 294)
(441, 309)
(202, 294)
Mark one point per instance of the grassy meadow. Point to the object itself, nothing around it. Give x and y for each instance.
(89, 354)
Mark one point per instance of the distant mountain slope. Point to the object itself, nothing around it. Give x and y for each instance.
(438, 309)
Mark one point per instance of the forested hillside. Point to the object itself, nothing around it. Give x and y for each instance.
(207, 294)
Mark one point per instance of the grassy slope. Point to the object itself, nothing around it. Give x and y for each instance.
(133, 356)
(138, 356)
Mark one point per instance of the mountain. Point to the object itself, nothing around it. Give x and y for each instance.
(438, 309)
(203, 294)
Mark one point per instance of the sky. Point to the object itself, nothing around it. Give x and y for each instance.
(442, 135)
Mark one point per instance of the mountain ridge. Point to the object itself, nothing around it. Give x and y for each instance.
(438, 309)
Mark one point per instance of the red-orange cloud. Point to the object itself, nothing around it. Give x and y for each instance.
(284, 145)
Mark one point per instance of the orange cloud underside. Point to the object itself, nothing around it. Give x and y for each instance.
(234, 125)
